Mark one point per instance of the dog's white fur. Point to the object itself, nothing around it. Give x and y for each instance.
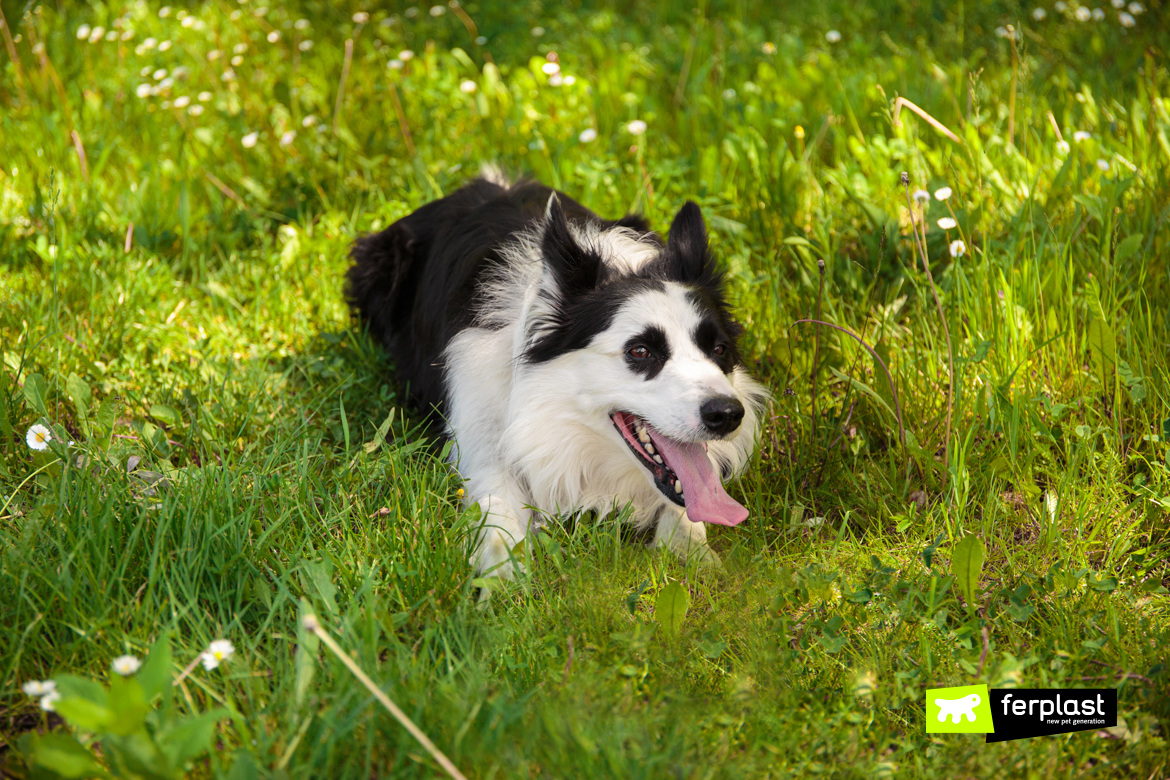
(535, 438)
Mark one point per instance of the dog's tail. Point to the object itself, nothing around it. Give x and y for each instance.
(378, 278)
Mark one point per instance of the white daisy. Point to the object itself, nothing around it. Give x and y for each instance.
(309, 121)
(182, 101)
(48, 699)
(195, 110)
(958, 248)
(1062, 147)
(83, 32)
(237, 61)
(768, 48)
(1119, 4)
(305, 45)
(164, 12)
(160, 74)
(1137, 9)
(1038, 14)
(406, 55)
(437, 10)
(142, 90)
(637, 127)
(361, 17)
(588, 135)
(922, 196)
(481, 40)
(1060, 6)
(1103, 164)
(288, 137)
(204, 97)
(537, 32)
(38, 437)
(467, 86)
(149, 43)
(165, 45)
(1082, 14)
(35, 688)
(1082, 135)
(395, 64)
(1126, 20)
(832, 36)
(1098, 14)
(250, 140)
(216, 653)
(274, 36)
(556, 79)
(126, 665)
(942, 193)
(946, 223)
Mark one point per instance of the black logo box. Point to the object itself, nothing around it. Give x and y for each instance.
(1019, 713)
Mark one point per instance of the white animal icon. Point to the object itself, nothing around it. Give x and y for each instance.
(957, 708)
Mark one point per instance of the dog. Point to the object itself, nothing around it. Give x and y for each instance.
(580, 364)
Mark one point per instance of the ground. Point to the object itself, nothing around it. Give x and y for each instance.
(227, 452)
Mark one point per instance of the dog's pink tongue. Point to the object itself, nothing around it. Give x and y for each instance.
(707, 501)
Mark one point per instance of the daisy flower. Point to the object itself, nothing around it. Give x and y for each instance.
(467, 86)
(1098, 14)
(142, 91)
(1082, 14)
(305, 45)
(832, 36)
(195, 110)
(274, 36)
(288, 138)
(250, 140)
(942, 193)
(1126, 20)
(922, 196)
(1103, 164)
(637, 127)
(302, 24)
(182, 101)
(126, 665)
(958, 248)
(946, 223)
(588, 135)
(204, 97)
(36, 688)
(1082, 135)
(1118, 4)
(1136, 8)
(83, 32)
(437, 10)
(361, 17)
(550, 68)
(216, 653)
(48, 699)
(38, 438)
(537, 32)
(1038, 14)
(768, 48)
(309, 121)
(406, 55)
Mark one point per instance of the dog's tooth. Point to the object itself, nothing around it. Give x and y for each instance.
(649, 447)
(643, 436)
(658, 459)
(678, 487)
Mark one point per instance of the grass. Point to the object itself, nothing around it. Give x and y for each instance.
(172, 303)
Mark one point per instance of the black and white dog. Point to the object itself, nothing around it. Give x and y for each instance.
(579, 363)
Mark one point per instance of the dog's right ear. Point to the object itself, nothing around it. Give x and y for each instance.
(570, 269)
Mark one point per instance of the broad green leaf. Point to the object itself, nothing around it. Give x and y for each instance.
(798, 241)
(167, 415)
(191, 737)
(306, 657)
(81, 396)
(966, 565)
(243, 767)
(69, 685)
(107, 415)
(1103, 584)
(1127, 247)
(128, 705)
(671, 608)
(84, 714)
(155, 674)
(863, 596)
(65, 756)
(1102, 351)
(35, 391)
(320, 574)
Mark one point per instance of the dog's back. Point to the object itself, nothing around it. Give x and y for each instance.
(415, 283)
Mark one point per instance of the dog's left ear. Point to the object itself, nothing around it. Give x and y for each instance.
(686, 247)
(574, 269)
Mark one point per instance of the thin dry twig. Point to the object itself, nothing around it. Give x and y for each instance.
(341, 84)
(937, 125)
(402, 119)
(80, 153)
(311, 624)
(129, 236)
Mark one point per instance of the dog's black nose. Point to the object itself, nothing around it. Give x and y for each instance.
(721, 414)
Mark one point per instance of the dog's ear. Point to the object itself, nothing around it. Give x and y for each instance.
(686, 247)
(573, 269)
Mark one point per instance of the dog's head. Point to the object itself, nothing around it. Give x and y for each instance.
(644, 332)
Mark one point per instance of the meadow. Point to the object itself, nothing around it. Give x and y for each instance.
(197, 444)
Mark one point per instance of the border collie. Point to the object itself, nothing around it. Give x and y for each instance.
(579, 363)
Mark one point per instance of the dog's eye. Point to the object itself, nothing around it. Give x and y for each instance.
(639, 353)
(720, 349)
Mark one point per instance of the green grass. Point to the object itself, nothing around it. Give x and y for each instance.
(222, 476)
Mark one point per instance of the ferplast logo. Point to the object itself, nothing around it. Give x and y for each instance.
(965, 709)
